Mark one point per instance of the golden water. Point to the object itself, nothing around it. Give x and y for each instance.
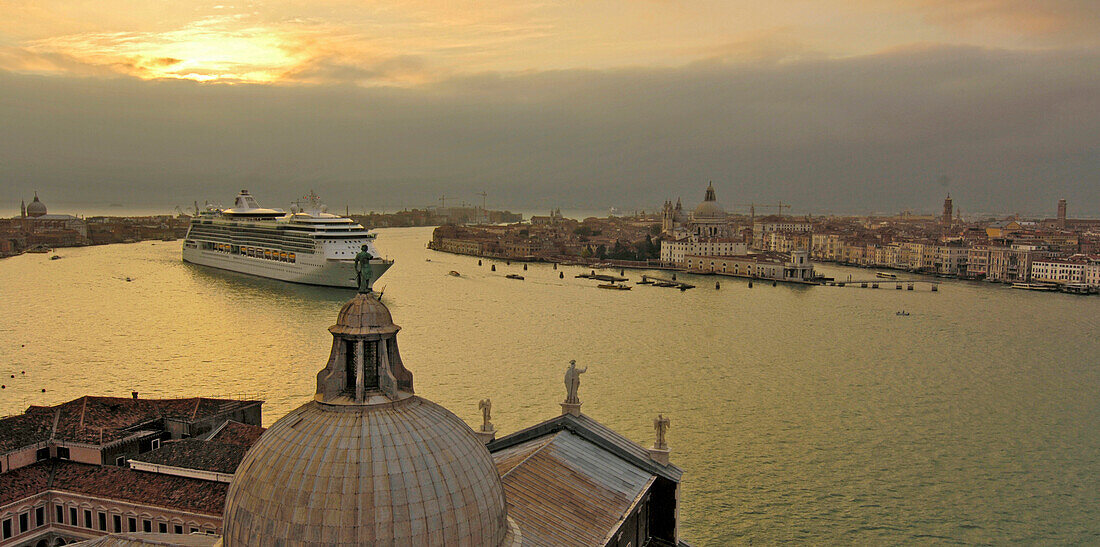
(808, 414)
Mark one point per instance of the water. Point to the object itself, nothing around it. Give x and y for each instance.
(806, 414)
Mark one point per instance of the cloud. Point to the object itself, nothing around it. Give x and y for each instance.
(1063, 22)
(1013, 130)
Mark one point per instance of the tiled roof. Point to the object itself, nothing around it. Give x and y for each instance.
(194, 495)
(234, 432)
(22, 482)
(96, 420)
(197, 454)
(24, 430)
(564, 490)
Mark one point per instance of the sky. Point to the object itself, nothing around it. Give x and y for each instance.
(833, 106)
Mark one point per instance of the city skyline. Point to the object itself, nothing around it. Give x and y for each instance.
(851, 107)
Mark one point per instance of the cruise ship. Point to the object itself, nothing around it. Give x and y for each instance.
(306, 245)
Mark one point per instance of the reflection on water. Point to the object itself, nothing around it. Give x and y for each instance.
(799, 414)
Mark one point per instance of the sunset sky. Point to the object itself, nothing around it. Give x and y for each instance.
(834, 105)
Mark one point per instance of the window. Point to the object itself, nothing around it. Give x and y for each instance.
(60, 514)
(155, 444)
(162, 527)
(39, 516)
(7, 528)
(63, 452)
(194, 530)
(87, 518)
(24, 522)
(120, 461)
(42, 454)
(146, 526)
(72, 517)
(178, 529)
(131, 522)
(103, 521)
(117, 522)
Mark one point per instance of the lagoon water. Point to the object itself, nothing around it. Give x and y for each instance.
(800, 414)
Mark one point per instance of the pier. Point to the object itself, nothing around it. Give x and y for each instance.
(896, 284)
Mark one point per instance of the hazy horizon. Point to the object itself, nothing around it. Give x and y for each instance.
(829, 105)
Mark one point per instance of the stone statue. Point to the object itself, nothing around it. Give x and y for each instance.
(362, 269)
(661, 425)
(486, 407)
(572, 382)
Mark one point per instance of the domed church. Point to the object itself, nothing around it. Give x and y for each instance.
(368, 462)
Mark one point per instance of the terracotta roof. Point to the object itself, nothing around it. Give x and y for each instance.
(118, 483)
(25, 430)
(234, 432)
(22, 482)
(197, 454)
(96, 420)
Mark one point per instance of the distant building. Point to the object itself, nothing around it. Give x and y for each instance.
(777, 266)
(946, 220)
(1062, 213)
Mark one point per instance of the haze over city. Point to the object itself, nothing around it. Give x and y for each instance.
(836, 106)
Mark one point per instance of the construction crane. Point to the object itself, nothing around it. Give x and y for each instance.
(443, 201)
(752, 207)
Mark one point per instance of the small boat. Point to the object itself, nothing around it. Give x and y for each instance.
(902, 313)
(886, 275)
(453, 273)
(514, 276)
(55, 257)
(665, 284)
(614, 286)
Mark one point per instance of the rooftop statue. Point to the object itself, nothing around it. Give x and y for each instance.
(486, 407)
(661, 425)
(362, 270)
(573, 382)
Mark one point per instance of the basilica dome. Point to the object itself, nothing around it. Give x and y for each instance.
(367, 461)
(36, 208)
(709, 208)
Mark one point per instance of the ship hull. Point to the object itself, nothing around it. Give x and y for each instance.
(308, 270)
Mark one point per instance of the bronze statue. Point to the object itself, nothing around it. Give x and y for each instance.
(573, 382)
(661, 425)
(362, 270)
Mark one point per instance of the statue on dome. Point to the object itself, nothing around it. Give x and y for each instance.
(362, 269)
(661, 425)
(573, 382)
(486, 407)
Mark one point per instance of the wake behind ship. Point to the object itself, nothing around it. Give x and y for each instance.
(307, 245)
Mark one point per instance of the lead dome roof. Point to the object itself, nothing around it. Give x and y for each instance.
(387, 468)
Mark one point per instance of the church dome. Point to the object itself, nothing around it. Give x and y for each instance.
(407, 473)
(709, 208)
(36, 208)
(367, 462)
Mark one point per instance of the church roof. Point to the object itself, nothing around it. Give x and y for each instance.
(571, 480)
(408, 472)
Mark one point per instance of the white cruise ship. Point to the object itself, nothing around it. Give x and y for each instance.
(306, 245)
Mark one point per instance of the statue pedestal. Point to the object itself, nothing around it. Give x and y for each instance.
(571, 408)
(659, 455)
(486, 437)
